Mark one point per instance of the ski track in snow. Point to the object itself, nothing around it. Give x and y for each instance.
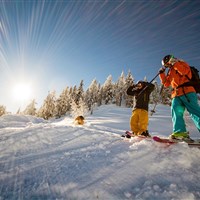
(58, 160)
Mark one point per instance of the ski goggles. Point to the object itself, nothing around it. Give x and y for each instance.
(167, 64)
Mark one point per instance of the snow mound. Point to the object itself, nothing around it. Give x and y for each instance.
(19, 120)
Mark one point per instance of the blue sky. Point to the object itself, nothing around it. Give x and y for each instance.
(53, 44)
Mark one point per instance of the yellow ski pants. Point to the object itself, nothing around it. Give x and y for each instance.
(139, 121)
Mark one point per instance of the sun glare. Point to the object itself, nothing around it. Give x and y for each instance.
(22, 91)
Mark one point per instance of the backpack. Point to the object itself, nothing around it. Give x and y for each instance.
(194, 81)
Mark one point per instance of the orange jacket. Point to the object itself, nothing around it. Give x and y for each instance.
(177, 76)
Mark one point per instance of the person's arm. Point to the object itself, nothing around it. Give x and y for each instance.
(164, 79)
(131, 90)
(150, 86)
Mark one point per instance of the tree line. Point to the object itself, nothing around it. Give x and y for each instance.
(76, 101)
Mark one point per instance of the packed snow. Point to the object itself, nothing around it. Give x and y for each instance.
(57, 159)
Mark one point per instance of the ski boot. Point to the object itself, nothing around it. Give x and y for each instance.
(145, 133)
(181, 136)
(128, 135)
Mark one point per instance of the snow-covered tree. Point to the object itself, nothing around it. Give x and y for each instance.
(79, 109)
(108, 90)
(2, 110)
(18, 111)
(48, 108)
(63, 103)
(145, 79)
(73, 92)
(79, 93)
(129, 80)
(120, 89)
(165, 94)
(30, 109)
(91, 95)
(99, 95)
(155, 97)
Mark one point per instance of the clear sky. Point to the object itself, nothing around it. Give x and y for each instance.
(49, 45)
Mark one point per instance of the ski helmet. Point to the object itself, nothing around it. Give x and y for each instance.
(166, 60)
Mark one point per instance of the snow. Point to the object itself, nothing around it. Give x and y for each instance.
(57, 159)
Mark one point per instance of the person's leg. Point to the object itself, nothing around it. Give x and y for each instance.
(177, 111)
(143, 121)
(134, 121)
(192, 106)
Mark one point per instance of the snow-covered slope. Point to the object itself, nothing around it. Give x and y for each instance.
(59, 160)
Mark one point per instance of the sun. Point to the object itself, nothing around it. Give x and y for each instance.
(22, 91)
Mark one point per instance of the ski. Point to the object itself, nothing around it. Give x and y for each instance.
(167, 141)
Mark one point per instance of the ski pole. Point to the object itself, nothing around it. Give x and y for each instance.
(154, 77)
(153, 110)
(161, 90)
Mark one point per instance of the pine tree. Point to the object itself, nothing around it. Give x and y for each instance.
(120, 89)
(18, 111)
(79, 93)
(30, 109)
(99, 95)
(78, 105)
(108, 90)
(145, 79)
(2, 110)
(166, 95)
(128, 82)
(155, 97)
(48, 108)
(73, 92)
(79, 109)
(91, 96)
(63, 103)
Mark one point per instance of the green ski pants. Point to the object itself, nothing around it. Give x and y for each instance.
(179, 104)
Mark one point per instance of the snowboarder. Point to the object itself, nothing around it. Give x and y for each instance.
(139, 118)
(182, 97)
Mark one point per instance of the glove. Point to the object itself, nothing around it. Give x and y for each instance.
(162, 70)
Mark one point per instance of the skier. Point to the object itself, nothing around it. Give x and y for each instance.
(139, 118)
(182, 97)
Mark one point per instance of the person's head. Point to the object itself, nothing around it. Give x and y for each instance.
(140, 84)
(168, 61)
